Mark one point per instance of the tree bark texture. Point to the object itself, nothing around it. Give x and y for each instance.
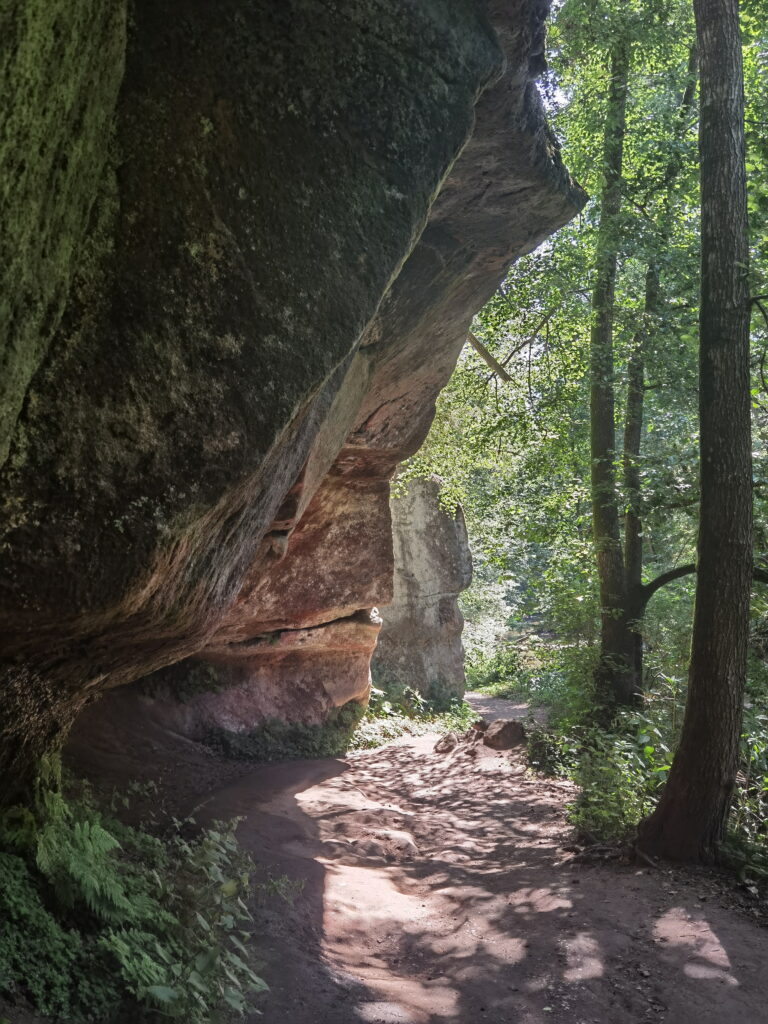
(613, 677)
(633, 430)
(691, 817)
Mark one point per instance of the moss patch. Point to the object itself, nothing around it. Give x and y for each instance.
(285, 741)
(60, 69)
(183, 681)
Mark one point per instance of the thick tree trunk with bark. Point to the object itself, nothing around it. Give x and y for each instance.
(613, 677)
(691, 817)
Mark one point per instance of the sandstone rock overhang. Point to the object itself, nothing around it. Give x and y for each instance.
(284, 225)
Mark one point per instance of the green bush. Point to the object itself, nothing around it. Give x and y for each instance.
(619, 771)
(499, 673)
(747, 842)
(403, 711)
(552, 752)
(620, 775)
(38, 956)
(101, 919)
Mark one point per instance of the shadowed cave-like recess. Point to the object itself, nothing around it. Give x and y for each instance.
(243, 249)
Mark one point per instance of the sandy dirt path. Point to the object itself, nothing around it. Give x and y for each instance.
(439, 888)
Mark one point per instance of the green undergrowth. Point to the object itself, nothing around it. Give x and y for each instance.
(498, 674)
(621, 770)
(403, 711)
(108, 923)
(548, 675)
(747, 844)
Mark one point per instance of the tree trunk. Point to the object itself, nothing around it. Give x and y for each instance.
(636, 597)
(633, 527)
(613, 676)
(691, 817)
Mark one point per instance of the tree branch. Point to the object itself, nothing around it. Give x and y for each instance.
(649, 589)
(486, 356)
(757, 300)
(531, 338)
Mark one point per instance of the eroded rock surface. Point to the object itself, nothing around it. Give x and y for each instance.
(420, 642)
(288, 218)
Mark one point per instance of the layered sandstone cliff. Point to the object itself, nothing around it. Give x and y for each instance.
(233, 290)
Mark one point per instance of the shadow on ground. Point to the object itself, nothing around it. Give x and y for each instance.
(438, 889)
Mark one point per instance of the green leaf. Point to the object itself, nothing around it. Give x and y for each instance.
(205, 960)
(238, 944)
(230, 887)
(197, 982)
(234, 998)
(163, 993)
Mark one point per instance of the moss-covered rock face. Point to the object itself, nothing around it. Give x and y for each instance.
(276, 164)
(61, 64)
(247, 302)
(278, 740)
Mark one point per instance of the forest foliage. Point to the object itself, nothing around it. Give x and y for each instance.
(516, 453)
(106, 922)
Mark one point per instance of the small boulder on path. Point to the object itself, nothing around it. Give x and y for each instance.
(504, 733)
(446, 743)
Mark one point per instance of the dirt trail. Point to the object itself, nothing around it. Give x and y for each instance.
(438, 889)
(492, 708)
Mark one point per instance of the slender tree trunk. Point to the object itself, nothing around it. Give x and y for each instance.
(633, 527)
(636, 596)
(613, 677)
(691, 817)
